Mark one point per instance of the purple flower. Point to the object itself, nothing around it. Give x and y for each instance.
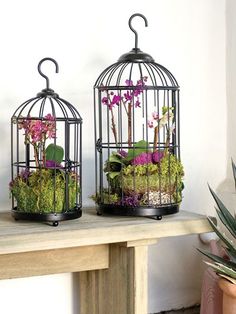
(111, 103)
(129, 82)
(142, 159)
(137, 91)
(155, 115)
(150, 123)
(130, 201)
(105, 100)
(25, 174)
(49, 117)
(157, 156)
(123, 153)
(128, 95)
(116, 99)
(53, 164)
(137, 103)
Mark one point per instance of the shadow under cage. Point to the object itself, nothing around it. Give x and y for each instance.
(46, 133)
(137, 159)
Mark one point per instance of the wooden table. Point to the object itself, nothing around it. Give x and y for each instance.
(109, 252)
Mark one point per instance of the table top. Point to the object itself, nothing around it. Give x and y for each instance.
(90, 229)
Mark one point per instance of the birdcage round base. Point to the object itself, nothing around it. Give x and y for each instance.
(143, 211)
(53, 218)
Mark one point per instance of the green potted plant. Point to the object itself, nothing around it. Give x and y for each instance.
(225, 267)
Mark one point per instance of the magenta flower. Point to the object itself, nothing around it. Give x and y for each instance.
(39, 130)
(137, 103)
(53, 164)
(116, 99)
(129, 82)
(157, 156)
(123, 153)
(105, 100)
(155, 115)
(142, 159)
(150, 123)
(49, 117)
(130, 200)
(128, 96)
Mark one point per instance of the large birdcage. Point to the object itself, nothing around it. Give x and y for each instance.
(138, 168)
(46, 158)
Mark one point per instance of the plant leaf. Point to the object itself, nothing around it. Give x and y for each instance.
(138, 148)
(225, 222)
(222, 236)
(228, 278)
(222, 269)
(113, 174)
(218, 259)
(55, 153)
(231, 254)
(230, 221)
(234, 171)
(115, 158)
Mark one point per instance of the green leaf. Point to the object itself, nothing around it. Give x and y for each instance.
(115, 158)
(222, 269)
(234, 171)
(138, 148)
(113, 174)
(232, 255)
(218, 259)
(230, 221)
(55, 153)
(225, 222)
(222, 236)
(164, 110)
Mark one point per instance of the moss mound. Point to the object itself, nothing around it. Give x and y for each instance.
(38, 195)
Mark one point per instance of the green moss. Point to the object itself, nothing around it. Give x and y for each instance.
(106, 198)
(38, 194)
(165, 177)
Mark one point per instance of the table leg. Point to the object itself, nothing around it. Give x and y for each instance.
(120, 289)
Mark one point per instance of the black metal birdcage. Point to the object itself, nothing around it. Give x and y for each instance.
(137, 161)
(46, 158)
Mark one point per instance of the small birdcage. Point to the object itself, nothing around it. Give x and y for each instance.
(46, 158)
(138, 168)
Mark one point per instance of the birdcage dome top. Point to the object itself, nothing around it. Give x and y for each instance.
(47, 102)
(118, 73)
(134, 66)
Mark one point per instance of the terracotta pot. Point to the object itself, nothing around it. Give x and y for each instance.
(229, 296)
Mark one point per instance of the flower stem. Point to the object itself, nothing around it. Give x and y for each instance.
(155, 142)
(129, 124)
(114, 127)
(36, 156)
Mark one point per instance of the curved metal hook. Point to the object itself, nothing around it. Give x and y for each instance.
(133, 30)
(43, 75)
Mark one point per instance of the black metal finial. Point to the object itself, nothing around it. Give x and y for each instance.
(45, 76)
(136, 55)
(133, 30)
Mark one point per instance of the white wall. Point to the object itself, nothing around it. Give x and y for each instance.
(186, 36)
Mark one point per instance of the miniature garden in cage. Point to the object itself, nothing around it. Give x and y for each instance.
(46, 158)
(138, 167)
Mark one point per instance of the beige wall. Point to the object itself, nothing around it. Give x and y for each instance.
(186, 36)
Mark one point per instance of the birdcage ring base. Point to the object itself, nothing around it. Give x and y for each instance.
(141, 211)
(53, 218)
